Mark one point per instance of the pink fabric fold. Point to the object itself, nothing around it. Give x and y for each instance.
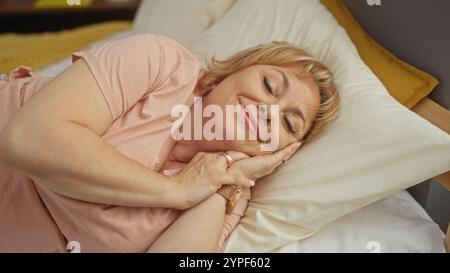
(141, 78)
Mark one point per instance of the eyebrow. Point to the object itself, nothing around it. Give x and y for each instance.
(286, 87)
(286, 84)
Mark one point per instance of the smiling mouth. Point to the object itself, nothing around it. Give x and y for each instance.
(252, 122)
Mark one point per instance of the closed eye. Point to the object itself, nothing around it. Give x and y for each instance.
(289, 125)
(267, 85)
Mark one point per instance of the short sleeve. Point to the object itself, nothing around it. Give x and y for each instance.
(128, 69)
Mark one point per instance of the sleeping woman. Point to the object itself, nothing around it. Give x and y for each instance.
(90, 156)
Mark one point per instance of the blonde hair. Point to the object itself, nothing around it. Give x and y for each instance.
(281, 54)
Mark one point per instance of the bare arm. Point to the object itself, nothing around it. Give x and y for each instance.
(198, 229)
(55, 139)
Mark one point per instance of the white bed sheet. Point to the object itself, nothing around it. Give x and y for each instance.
(395, 224)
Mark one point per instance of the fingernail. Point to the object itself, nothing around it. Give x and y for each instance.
(252, 183)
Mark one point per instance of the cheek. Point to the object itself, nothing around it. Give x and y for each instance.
(252, 148)
(285, 138)
(245, 84)
(222, 95)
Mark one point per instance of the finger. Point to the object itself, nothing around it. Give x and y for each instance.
(236, 178)
(221, 160)
(236, 156)
(289, 150)
(281, 155)
(293, 152)
(259, 166)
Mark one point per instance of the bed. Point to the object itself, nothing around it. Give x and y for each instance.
(378, 227)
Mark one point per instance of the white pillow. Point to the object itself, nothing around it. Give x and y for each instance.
(182, 20)
(377, 146)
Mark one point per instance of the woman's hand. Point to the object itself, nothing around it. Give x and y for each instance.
(257, 167)
(204, 175)
(207, 172)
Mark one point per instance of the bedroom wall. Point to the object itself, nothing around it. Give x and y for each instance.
(416, 31)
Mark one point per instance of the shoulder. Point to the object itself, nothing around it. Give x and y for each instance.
(168, 45)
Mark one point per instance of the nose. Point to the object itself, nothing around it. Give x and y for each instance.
(269, 111)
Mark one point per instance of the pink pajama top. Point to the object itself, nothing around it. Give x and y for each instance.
(141, 78)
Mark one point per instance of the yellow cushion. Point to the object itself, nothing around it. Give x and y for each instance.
(407, 84)
(58, 4)
(41, 49)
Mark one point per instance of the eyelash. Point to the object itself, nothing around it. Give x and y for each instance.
(267, 85)
(289, 125)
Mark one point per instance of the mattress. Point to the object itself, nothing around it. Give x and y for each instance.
(395, 224)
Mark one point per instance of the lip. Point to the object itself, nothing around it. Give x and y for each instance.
(251, 120)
